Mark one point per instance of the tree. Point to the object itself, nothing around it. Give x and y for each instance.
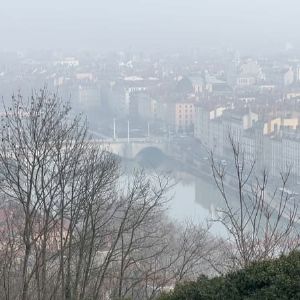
(260, 222)
(71, 228)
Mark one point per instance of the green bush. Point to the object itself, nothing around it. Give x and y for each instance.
(271, 279)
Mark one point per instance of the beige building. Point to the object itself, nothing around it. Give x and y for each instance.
(183, 116)
(274, 125)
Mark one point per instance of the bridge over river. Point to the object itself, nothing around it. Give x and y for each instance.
(130, 148)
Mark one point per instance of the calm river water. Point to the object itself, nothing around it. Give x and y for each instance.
(191, 199)
(195, 199)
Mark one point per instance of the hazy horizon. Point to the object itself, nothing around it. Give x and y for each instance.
(148, 24)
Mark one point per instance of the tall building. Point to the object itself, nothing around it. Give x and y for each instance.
(204, 114)
(182, 116)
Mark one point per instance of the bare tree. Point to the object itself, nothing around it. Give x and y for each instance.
(260, 221)
(71, 226)
(39, 150)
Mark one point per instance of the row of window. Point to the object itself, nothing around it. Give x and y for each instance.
(186, 116)
(186, 122)
(180, 111)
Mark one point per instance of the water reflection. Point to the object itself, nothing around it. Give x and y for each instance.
(194, 199)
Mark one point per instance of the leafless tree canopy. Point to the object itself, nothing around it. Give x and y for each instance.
(261, 220)
(69, 229)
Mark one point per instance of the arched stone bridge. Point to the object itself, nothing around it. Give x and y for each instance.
(130, 149)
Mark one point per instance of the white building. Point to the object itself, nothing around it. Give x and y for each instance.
(203, 117)
(285, 155)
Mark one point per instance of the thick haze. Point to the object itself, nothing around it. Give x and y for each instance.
(148, 24)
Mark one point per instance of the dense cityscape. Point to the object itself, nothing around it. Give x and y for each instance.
(175, 97)
(149, 150)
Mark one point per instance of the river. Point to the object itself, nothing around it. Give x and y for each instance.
(191, 198)
(196, 200)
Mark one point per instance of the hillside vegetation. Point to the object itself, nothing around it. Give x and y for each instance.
(271, 279)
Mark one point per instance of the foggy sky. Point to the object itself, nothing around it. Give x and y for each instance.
(148, 24)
